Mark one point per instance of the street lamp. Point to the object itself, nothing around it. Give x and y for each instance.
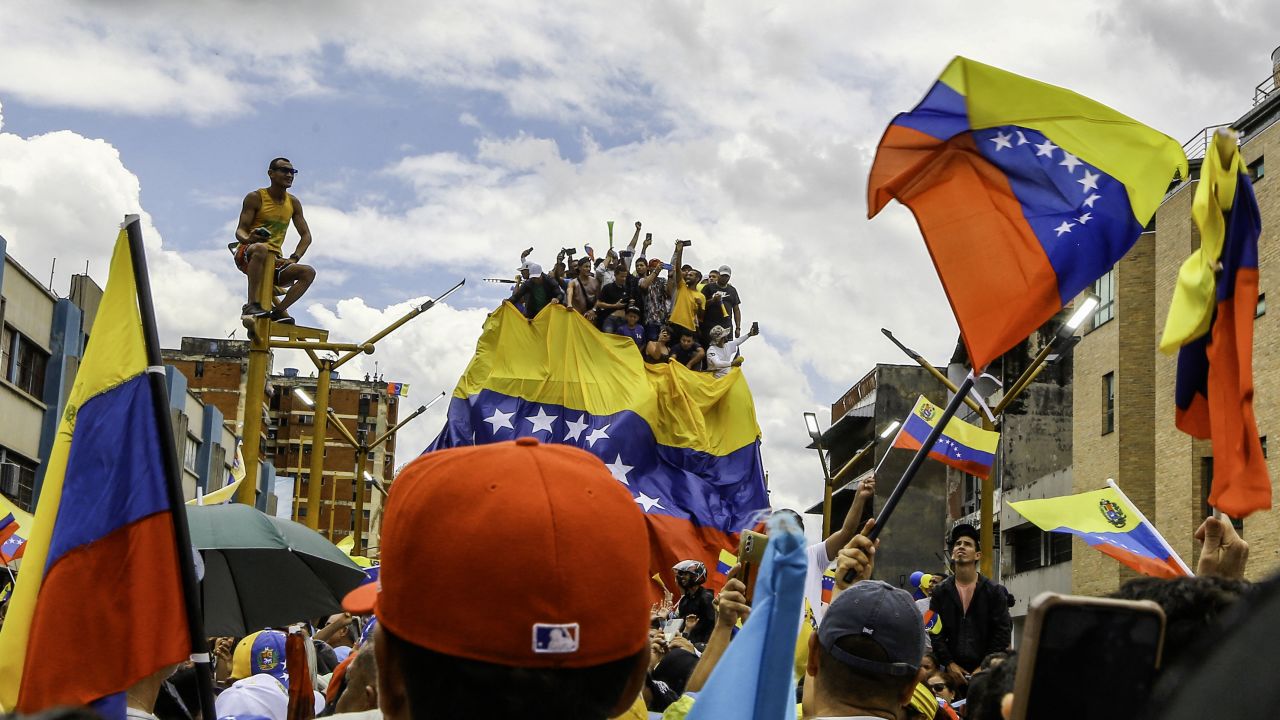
(304, 397)
(815, 432)
(835, 481)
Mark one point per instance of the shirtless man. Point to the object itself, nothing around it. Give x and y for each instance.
(264, 219)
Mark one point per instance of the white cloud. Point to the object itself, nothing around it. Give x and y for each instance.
(63, 196)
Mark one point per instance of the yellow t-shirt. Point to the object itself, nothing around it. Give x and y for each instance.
(637, 711)
(275, 217)
(687, 306)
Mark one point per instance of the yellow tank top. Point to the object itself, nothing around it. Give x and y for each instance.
(275, 217)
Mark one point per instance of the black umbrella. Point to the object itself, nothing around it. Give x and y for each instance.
(265, 572)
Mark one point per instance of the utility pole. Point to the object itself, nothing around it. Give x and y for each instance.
(363, 451)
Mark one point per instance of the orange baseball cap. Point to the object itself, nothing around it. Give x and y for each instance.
(554, 552)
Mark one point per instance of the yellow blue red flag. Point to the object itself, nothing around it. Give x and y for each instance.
(685, 444)
(100, 578)
(1112, 524)
(961, 445)
(1025, 194)
(1211, 319)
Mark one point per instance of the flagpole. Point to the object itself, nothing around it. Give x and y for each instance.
(169, 449)
(1111, 483)
(901, 488)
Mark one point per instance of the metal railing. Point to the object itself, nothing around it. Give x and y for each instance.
(1196, 147)
(1265, 89)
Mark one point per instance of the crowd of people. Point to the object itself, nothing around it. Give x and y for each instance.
(562, 625)
(683, 316)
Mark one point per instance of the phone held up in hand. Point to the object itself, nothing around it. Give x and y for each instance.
(1085, 657)
(755, 328)
(750, 554)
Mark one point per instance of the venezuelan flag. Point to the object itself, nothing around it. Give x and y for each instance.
(961, 445)
(1025, 194)
(685, 444)
(100, 589)
(726, 563)
(14, 546)
(1211, 318)
(1108, 521)
(828, 585)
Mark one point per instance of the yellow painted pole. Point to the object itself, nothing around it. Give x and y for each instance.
(362, 454)
(297, 481)
(987, 532)
(255, 388)
(320, 433)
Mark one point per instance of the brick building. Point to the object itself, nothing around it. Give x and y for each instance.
(216, 370)
(1124, 401)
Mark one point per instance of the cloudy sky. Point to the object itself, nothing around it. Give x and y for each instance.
(436, 142)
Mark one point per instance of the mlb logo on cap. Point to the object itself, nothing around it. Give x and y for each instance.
(549, 638)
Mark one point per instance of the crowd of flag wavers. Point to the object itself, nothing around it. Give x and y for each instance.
(671, 310)
(517, 576)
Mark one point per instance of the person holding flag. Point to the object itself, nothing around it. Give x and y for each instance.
(972, 610)
(821, 556)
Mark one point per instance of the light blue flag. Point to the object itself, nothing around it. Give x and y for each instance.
(754, 679)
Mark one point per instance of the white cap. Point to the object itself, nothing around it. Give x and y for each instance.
(534, 269)
(725, 270)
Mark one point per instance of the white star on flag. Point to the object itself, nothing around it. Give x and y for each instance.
(1071, 161)
(542, 421)
(1065, 227)
(1002, 141)
(499, 420)
(1022, 139)
(1089, 201)
(619, 470)
(1046, 149)
(649, 503)
(576, 428)
(1090, 180)
(1085, 218)
(598, 434)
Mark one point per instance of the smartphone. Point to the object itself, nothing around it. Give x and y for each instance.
(672, 628)
(750, 555)
(1084, 657)
(684, 243)
(648, 236)
(755, 327)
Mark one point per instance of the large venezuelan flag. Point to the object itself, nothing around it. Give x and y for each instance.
(1212, 319)
(1108, 521)
(684, 443)
(962, 446)
(1025, 193)
(99, 603)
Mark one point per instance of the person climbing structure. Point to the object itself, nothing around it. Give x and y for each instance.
(264, 220)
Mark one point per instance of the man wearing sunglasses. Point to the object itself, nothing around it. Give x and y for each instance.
(264, 219)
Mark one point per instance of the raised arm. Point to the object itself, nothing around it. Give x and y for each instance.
(635, 238)
(732, 607)
(674, 280)
(841, 537)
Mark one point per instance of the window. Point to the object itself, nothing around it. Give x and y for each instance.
(364, 406)
(199, 368)
(6, 350)
(25, 363)
(1257, 169)
(1105, 288)
(189, 453)
(1262, 305)
(18, 479)
(1206, 489)
(1263, 441)
(1034, 548)
(1108, 403)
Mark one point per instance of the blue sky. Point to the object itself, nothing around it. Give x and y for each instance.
(436, 142)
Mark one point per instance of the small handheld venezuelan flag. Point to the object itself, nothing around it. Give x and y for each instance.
(962, 446)
(726, 563)
(1111, 523)
(1025, 194)
(828, 585)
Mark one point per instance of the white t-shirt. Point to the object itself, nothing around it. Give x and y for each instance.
(720, 359)
(816, 555)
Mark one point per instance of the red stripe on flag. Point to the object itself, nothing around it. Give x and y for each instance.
(1145, 565)
(672, 539)
(908, 442)
(118, 601)
(975, 230)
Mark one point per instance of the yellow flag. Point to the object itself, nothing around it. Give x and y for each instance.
(1195, 295)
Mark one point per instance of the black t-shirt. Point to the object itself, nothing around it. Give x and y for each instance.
(720, 312)
(682, 355)
(612, 293)
(700, 602)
